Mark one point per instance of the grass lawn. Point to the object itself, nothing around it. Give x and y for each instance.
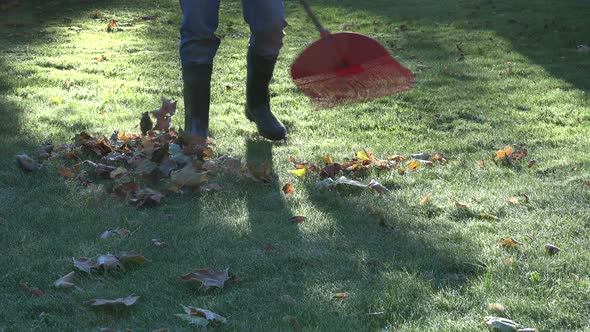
(433, 267)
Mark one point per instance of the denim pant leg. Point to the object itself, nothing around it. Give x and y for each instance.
(267, 21)
(198, 43)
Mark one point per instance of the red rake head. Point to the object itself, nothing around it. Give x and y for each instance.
(347, 67)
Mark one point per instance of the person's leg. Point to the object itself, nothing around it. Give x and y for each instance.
(198, 46)
(267, 21)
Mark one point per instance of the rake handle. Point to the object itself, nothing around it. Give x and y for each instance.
(314, 18)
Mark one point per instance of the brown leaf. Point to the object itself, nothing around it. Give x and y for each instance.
(532, 163)
(114, 304)
(461, 205)
(118, 173)
(164, 115)
(85, 264)
(26, 163)
(288, 189)
(574, 168)
(65, 281)
(526, 197)
(188, 177)
(496, 307)
(341, 295)
(509, 243)
(159, 244)
(36, 292)
(331, 170)
(425, 198)
(146, 197)
(200, 317)
(259, 174)
(378, 187)
(207, 277)
(297, 219)
(66, 172)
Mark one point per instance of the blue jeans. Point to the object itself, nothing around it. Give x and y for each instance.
(200, 18)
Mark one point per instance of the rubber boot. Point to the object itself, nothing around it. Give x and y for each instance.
(197, 96)
(260, 70)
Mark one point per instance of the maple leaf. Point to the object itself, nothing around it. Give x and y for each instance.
(207, 277)
(200, 317)
(85, 264)
(114, 304)
(65, 281)
(331, 170)
(164, 115)
(187, 177)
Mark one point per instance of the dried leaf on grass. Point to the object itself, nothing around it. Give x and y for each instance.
(461, 205)
(188, 177)
(36, 292)
(499, 324)
(146, 197)
(65, 281)
(164, 115)
(425, 198)
(551, 249)
(107, 262)
(66, 172)
(85, 264)
(159, 244)
(114, 304)
(26, 163)
(297, 219)
(288, 189)
(200, 317)
(496, 307)
(207, 277)
(122, 232)
(341, 295)
(509, 242)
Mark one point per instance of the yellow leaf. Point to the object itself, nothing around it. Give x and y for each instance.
(425, 199)
(496, 307)
(501, 154)
(328, 160)
(401, 171)
(513, 201)
(508, 150)
(362, 155)
(509, 243)
(341, 295)
(300, 172)
(56, 100)
(413, 165)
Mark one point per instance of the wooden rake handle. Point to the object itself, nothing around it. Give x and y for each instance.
(314, 18)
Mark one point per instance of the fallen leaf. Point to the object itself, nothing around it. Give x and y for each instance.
(114, 304)
(425, 198)
(188, 177)
(422, 156)
(36, 292)
(288, 189)
(488, 216)
(297, 219)
(301, 172)
(66, 172)
(497, 324)
(159, 244)
(551, 249)
(401, 171)
(496, 307)
(112, 232)
(107, 262)
(65, 281)
(164, 114)
(207, 277)
(200, 317)
(259, 174)
(461, 205)
(532, 163)
(130, 257)
(118, 172)
(330, 184)
(526, 197)
(513, 201)
(378, 187)
(341, 295)
(26, 163)
(100, 58)
(509, 243)
(85, 264)
(146, 197)
(328, 160)
(574, 168)
(413, 165)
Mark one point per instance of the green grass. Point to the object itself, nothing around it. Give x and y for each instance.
(440, 266)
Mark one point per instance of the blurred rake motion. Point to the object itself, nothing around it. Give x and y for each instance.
(347, 67)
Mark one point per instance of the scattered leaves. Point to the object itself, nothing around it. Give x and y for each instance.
(207, 277)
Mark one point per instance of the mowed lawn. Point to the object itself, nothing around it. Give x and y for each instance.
(489, 74)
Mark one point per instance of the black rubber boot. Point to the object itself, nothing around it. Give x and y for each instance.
(260, 71)
(197, 95)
